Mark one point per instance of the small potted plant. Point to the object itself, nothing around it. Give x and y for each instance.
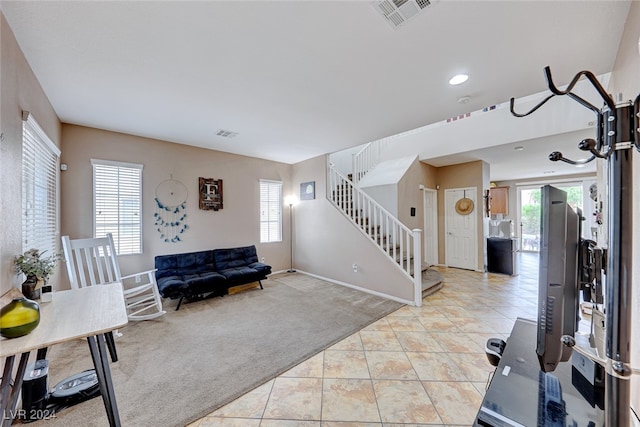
(37, 268)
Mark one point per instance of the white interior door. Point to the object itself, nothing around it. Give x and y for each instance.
(430, 204)
(461, 230)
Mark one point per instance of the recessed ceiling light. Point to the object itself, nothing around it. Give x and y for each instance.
(458, 79)
(464, 99)
(519, 148)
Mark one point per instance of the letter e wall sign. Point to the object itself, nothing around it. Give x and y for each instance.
(210, 191)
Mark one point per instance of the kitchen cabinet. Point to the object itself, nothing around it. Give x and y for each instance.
(499, 200)
(502, 256)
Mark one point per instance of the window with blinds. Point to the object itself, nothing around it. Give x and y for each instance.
(117, 204)
(40, 164)
(270, 211)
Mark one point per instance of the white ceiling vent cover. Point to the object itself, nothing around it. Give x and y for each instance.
(397, 12)
(226, 133)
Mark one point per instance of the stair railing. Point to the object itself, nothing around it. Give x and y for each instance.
(364, 160)
(400, 244)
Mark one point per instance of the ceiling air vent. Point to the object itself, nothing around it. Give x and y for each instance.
(397, 12)
(226, 133)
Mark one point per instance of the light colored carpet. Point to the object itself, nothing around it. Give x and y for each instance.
(176, 369)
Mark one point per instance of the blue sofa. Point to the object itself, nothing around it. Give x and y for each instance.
(194, 275)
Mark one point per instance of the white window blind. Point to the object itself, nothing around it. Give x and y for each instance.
(40, 164)
(117, 204)
(270, 211)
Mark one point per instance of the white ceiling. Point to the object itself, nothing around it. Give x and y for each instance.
(297, 79)
(527, 159)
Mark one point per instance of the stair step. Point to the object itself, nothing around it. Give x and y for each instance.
(425, 267)
(432, 281)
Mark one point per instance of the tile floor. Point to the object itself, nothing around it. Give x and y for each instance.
(417, 366)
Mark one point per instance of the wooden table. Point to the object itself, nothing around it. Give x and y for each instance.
(89, 313)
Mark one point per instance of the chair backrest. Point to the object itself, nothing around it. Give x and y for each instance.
(91, 261)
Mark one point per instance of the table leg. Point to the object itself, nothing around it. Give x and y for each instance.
(9, 394)
(101, 364)
(111, 345)
(42, 353)
(5, 385)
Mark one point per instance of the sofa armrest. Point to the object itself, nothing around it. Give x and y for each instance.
(261, 267)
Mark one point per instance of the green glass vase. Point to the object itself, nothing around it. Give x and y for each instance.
(19, 317)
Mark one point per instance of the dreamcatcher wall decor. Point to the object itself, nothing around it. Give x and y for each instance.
(171, 210)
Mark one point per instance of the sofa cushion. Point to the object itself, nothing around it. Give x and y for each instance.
(166, 266)
(196, 262)
(233, 257)
(205, 282)
(188, 263)
(171, 286)
(241, 274)
(187, 274)
(240, 265)
(264, 269)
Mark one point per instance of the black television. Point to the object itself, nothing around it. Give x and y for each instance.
(558, 287)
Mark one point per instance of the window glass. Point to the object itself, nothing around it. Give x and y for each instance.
(270, 211)
(117, 204)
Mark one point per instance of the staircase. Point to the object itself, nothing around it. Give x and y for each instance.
(400, 244)
(364, 160)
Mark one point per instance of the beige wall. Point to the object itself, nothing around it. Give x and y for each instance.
(429, 175)
(471, 174)
(327, 244)
(513, 190)
(626, 80)
(409, 195)
(20, 91)
(237, 224)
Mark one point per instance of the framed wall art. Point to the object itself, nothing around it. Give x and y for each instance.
(210, 191)
(308, 190)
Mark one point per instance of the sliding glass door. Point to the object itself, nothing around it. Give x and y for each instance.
(529, 207)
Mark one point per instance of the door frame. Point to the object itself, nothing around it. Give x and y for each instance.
(559, 183)
(431, 225)
(473, 190)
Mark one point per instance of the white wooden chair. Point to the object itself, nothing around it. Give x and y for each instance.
(93, 261)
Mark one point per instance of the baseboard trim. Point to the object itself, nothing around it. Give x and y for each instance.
(349, 285)
(468, 269)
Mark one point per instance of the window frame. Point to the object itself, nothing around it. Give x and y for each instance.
(272, 202)
(120, 243)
